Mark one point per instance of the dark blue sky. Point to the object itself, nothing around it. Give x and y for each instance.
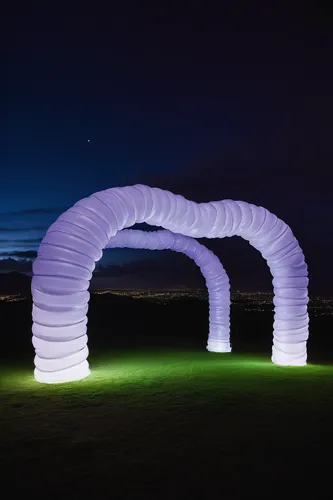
(235, 103)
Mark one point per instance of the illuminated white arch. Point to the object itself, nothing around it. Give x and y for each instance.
(217, 280)
(68, 252)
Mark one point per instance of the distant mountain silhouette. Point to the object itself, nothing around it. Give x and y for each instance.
(15, 283)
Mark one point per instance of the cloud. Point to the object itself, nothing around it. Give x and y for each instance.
(7, 229)
(33, 211)
(21, 241)
(18, 254)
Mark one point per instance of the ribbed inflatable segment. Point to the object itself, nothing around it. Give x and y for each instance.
(70, 248)
(216, 278)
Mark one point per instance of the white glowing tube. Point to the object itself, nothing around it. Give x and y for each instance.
(217, 280)
(67, 255)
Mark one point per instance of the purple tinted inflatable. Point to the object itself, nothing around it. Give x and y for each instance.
(211, 268)
(67, 255)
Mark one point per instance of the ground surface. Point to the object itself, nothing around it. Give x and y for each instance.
(169, 422)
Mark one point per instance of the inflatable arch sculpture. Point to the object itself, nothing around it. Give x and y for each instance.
(68, 252)
(217, 280)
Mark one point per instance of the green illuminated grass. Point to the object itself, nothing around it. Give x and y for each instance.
(169, 423)
(125, 369)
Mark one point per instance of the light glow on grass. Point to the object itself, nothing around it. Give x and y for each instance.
(163, 418)
(135, 369)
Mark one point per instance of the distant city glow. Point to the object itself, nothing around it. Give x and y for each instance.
(72, 245)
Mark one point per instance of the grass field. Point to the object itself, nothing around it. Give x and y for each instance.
(169, 424)
(160, 417)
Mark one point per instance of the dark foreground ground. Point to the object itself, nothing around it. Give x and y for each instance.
(160, 417)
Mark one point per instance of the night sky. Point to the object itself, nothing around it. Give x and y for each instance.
(225, 104)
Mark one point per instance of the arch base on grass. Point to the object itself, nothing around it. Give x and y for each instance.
(72, 374)
(218, 346)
